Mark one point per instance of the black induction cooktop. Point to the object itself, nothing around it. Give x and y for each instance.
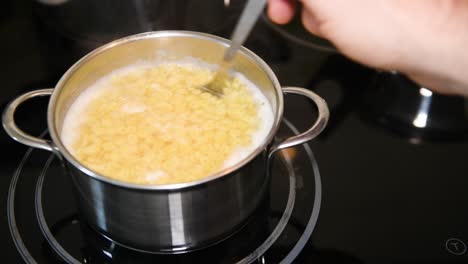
(385, 183)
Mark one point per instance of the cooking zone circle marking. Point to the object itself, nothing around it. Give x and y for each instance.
(255, 255)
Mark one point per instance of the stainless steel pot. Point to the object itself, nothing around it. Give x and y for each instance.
(175, 217)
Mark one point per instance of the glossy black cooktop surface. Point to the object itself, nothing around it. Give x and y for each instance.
(392, 159)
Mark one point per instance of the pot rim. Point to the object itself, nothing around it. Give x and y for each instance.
(175, 186)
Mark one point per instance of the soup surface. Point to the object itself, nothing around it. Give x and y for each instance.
(148, 124)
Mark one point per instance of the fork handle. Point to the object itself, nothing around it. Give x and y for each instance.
(247, 20)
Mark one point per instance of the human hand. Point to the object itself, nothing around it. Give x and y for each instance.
(424, 39)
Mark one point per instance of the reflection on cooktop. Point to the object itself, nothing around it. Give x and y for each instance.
(414, 112)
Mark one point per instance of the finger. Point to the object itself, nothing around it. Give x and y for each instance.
(329, 7)
(310, 22)
(281, 11)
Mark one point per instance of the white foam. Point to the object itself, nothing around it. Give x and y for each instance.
(265, 114)
(74, 117)
(154, 176)
(133, 107)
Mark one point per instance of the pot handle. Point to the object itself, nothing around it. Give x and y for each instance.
(314, 130)
(8, 120)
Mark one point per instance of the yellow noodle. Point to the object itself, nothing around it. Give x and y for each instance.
(155, 127)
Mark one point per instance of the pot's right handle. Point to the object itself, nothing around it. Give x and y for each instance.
(8, 120)
(314, 130)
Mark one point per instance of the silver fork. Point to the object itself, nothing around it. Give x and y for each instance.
(247, 20)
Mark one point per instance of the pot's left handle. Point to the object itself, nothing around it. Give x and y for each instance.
(8, 120)
(314, 130)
